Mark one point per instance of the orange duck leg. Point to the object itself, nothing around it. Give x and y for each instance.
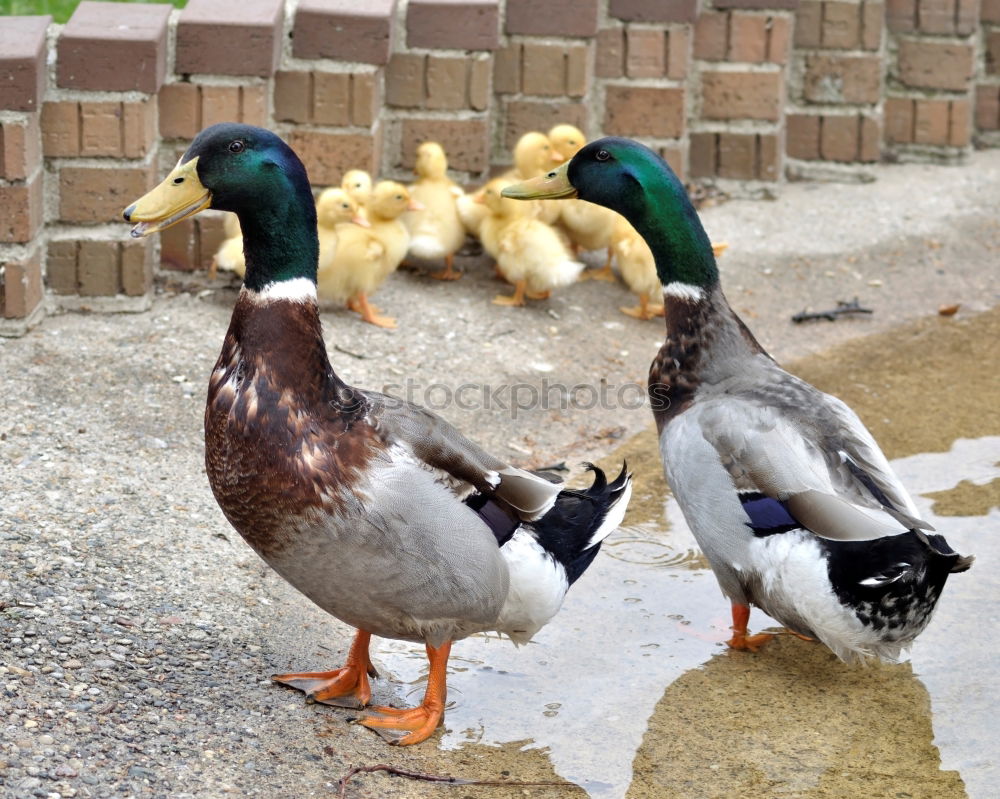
(740, 639)
(344, 687)
(420, 721)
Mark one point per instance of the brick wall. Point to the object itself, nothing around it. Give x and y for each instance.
(747, 93)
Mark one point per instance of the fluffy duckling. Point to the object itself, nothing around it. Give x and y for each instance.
(529, 253)
(334, 208)
(588, 226)
(358, 184)
(229, 256)
(365, 257)
(437, 231)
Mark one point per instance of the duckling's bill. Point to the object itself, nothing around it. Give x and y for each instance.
(180, 195)
(553, 185)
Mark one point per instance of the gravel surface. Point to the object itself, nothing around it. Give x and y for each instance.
(138, 630)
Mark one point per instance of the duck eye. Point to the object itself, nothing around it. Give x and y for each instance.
(236, 146)
(602, 155)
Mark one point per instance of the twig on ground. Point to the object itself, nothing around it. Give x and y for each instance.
(419, 775)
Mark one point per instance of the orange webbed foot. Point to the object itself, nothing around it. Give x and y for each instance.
(740, 639)
(604, 273)
(344, 687)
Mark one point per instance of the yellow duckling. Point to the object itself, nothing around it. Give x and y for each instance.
(638, 269)
(229, 256)
(358, 184)
(589, 226)
(529, 253)
(365, 257)
(334, 208)
(437, 231)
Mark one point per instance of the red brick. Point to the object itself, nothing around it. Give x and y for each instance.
(768, 157)
(936, 16)
(711, 36)
(674, 156)
(802, 136)
(747, 40)
(331, 104)
(522, 116)
(479, 83)
(838, 138)
(778, 39)
(988, 108)
(99, 268)
(577, 70)
(841, 25)
(20, 147)
(898, 120)
(507, 69)
(100, 125)
(345, 30)
(645, 53)
(293, 96)
(901, 15)
(737, 156)
(138, 128)
(644, 111)
(447, 83)
(931, 120)
(741, 95)
(253, 104)
(90, 195)
(136, 267)
(544, 70)
(453, 24)
(179, 246)
(212, 40)
(61, 129)
(654, 10)
(872, 16)
(60, 267)
(703, 154)
(992, 53)
(404, 80)
(959, 127)
(179, 110)
(22, 62)
(966, 17)
(552, 18)
(21, 210)
(759, 5)
(935, 65)
(114, 47)
(366, 98)
(219, 104)
(467, 142)
(209, 233)
(871, 139)
(328, 155)
(990, 11)
(809, 24)
(610, 58)
(21, 291)
(836, 78)
(679, 51)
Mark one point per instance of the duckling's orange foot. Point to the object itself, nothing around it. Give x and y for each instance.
(749, 643)
(538, 295)
(448, 273)
(513, 301)
(604, 273)
(345, 687)
(404, 727)
(639, 312)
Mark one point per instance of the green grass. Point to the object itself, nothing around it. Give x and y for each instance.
(61, 10)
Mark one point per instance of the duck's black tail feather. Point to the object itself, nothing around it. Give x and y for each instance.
(938, 546)
(572, 531)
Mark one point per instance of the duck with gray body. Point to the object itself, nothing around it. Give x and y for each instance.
(377, 510)
(785, 490)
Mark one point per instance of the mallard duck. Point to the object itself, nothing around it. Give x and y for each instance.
(377, 510)
(436, 232)
(365, 257)
(786, 491)
(229, 256)
(528, 252)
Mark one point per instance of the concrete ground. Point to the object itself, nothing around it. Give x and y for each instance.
(138, 630)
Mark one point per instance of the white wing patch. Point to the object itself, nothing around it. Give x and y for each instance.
(538, 585)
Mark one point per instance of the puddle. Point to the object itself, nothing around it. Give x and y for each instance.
(630, 692)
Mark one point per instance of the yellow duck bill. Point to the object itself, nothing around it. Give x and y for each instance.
(552, 185)
(180, 195)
